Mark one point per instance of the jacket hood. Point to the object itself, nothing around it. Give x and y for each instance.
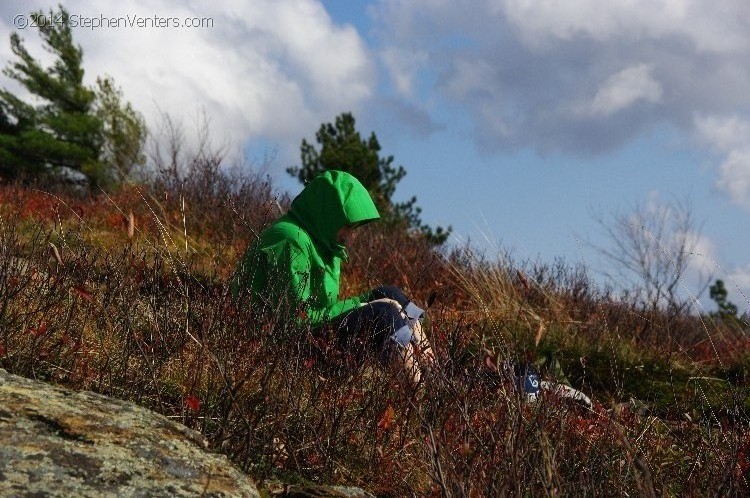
(329, 202)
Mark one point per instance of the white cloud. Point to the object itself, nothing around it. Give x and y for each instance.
(575, 76)
(473, 76)
(265, 69)
(738, 287)
(580, 77)
(717, 27)
(703, 257)
(734, 176)
(730, 137)
(622, 90)
(403, 67)
(723, 133)
(741, 277)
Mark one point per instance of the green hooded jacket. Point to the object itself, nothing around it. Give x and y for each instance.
(297, 259)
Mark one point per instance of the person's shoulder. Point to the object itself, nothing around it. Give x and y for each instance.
(285, 231)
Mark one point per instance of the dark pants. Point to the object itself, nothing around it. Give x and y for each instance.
(369, 327)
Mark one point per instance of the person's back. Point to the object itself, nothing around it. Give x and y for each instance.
(298, 259)
(296, 264)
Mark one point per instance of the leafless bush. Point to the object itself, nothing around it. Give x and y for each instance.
(650, 252)
(199, 181)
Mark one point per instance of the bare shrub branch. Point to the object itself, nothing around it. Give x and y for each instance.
(651, 251)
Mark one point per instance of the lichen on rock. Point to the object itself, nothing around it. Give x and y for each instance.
(55, 442)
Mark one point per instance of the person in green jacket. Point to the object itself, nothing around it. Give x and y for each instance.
(296, 263)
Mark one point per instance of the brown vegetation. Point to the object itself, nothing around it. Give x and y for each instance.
(127, 294)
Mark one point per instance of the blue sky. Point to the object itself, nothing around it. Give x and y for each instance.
(518, 121)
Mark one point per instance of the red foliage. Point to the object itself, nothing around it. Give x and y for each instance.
(386, 419)
(115, 220)
(39, 331)
(192, 402)
(81, 291)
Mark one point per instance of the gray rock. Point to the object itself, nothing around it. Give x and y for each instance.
(59, 443)
(314, 491)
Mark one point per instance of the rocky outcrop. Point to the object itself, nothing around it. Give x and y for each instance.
(313, 491)
(60, 443)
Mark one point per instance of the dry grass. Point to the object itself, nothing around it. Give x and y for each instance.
(133, 302)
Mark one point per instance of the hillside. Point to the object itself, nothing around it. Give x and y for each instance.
(126, 294)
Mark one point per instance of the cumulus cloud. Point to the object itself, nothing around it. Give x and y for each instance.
(738, 286)
(412, 119)
(261, 69)
(714, 28)
(730, 137)
(576, 77)
(741, 277)
(403, 67)
(703, 257)
(734, 176)
(724, 133)
(623, 89)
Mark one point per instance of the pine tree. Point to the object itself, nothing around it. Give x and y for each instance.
(123, 129)
(718, 293)
(341, 147)
(74, 127)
